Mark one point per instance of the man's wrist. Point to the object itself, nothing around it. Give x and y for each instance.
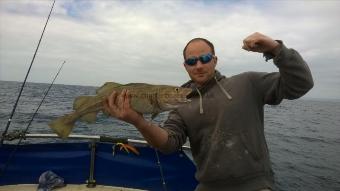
(274, 52)
(140, 122)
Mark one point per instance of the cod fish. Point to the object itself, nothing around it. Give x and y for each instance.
(145, 99)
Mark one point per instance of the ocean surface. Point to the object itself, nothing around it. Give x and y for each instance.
(303, 136)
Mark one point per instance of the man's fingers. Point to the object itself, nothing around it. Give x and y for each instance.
(127, 99)
(112, 99)
(258, 42)
(120, 101)
(245, 47)
(254, 46)
(109, 105)
(106, 109)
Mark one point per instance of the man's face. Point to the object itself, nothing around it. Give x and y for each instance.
(200, 72)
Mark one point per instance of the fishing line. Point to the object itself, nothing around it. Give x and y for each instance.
(2, 172)
(161, 171)
(23, 84)
(160, 167)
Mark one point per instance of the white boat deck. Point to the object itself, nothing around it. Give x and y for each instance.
(69, 187)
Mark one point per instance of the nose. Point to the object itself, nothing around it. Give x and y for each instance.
(199, 64)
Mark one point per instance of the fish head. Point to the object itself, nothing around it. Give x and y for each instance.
(171, 97)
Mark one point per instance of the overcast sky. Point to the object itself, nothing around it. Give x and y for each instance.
(142, 41)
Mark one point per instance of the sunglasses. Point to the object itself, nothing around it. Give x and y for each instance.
(205, 58)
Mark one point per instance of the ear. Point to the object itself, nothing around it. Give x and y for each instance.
(215, 60)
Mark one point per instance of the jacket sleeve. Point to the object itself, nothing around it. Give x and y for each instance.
(293, 80)
(175, 127)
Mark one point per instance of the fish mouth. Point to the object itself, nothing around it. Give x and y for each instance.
(180, 102)
(187, 101)
(177, 103)
(184, 100)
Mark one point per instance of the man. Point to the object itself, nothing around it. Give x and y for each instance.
(224, 120)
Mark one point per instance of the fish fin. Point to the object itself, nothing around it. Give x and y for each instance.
(89, 117)
(80, 101)
(137, 84)
(154, 115)
(107, 86)
(63, 125)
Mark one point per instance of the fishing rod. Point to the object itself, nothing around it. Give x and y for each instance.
(23, 84)
(2, 171)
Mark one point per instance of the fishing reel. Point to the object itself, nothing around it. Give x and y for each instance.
(17, 134)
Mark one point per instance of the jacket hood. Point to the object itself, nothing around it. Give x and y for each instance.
(202, 89)
(191, 84)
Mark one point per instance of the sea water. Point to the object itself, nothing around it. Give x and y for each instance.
(303, 136)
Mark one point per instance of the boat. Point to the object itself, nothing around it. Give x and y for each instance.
(94, 162)
(91, 162)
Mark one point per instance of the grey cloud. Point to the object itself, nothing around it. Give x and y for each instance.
(130, 41)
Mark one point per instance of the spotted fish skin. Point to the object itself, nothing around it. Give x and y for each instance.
(144, 98)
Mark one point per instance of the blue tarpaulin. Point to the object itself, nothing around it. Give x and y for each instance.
(71, 161)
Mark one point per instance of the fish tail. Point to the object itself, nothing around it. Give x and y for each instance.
(81, 101)
(63, 125)
(80, 105)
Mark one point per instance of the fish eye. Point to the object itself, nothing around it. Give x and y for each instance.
(176, 89)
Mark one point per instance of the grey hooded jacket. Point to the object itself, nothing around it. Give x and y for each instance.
(224, 123)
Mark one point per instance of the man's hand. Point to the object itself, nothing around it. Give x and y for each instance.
(119, 106)
(258, 42)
